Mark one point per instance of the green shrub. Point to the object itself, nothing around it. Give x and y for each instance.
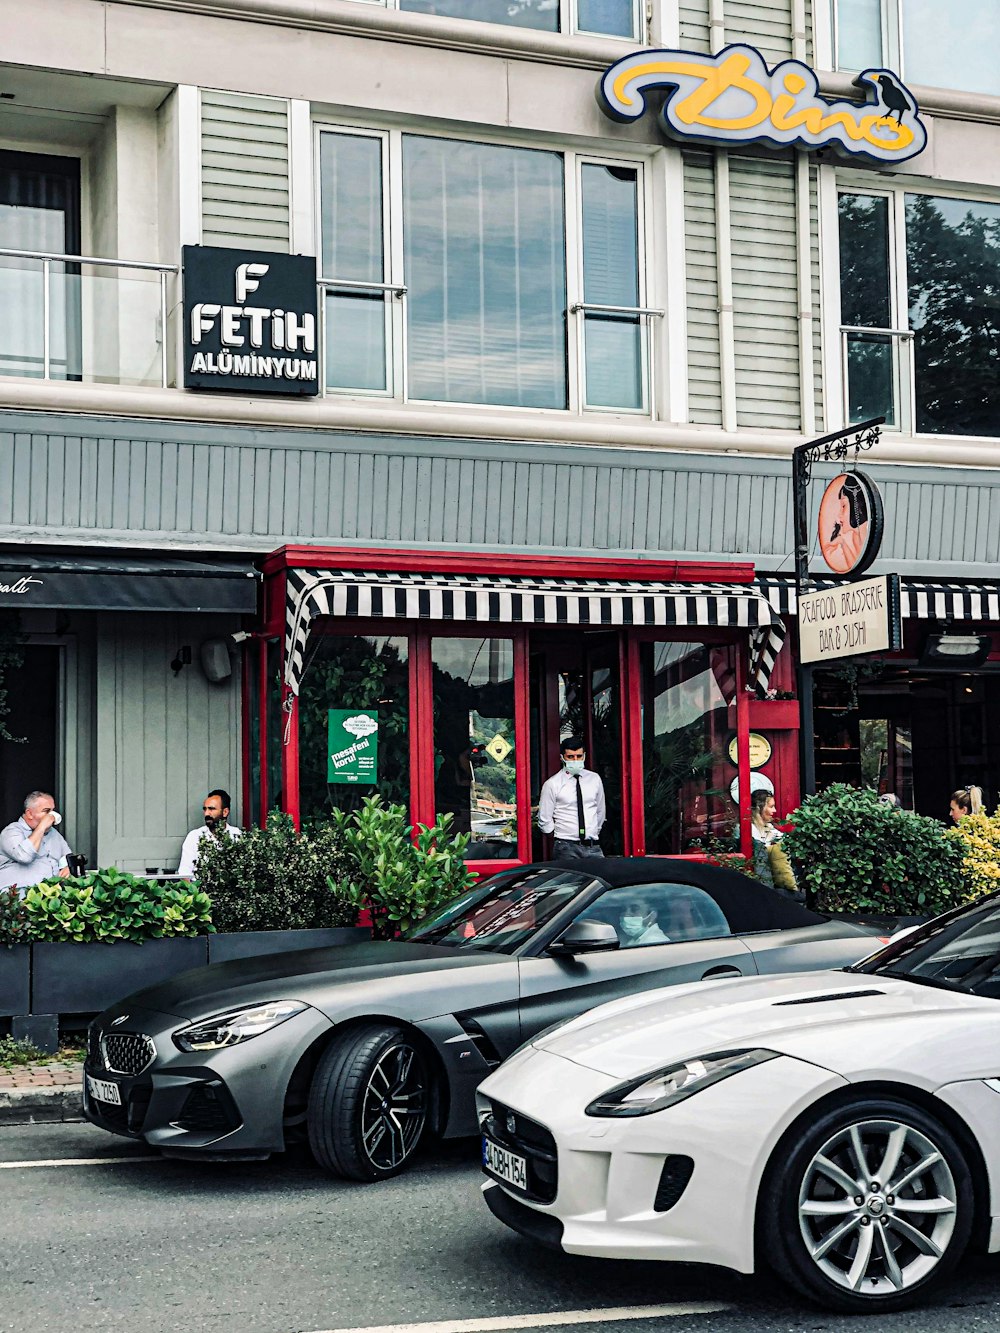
(14, 925)
(398, 879)
(108, 905)
(273, 878)
(856, 855)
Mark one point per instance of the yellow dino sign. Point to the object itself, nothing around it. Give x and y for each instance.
(733, 98)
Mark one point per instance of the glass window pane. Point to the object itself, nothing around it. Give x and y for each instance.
(474, 742)
(614, 17)
(953, 267)
(486, 273)
(658, 914)
(542, 14)
(686, 732)
(864, 261)
(859, 34)
(952, 45)
(612, 343)
(870, 377)
(347, 672)
(353, 250)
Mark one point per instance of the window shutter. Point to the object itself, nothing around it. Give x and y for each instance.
(704, 367)
(765, 293)
(767, 27)
(244, 171)
(694, 25)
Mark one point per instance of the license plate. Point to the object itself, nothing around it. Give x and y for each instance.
(103, 1091)
(504, 1164)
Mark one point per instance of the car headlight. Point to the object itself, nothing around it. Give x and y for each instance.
(667, 1087)
(229, 1029)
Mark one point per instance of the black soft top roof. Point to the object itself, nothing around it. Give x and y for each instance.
(747, 904)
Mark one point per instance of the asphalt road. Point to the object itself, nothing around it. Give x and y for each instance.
(151, 1246)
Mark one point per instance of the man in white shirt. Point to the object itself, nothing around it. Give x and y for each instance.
(571, 805)
(216, 812)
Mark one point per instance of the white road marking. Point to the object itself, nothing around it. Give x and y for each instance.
(78, 1161)
(552, 1319)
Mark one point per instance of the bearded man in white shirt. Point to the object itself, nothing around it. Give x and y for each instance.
(215, 810)
(572, 806)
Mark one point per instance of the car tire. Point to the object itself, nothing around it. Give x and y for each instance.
(368, 1103)
(907, 1233)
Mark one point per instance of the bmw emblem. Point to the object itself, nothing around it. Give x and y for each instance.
(122, 1018)
(511, 1123)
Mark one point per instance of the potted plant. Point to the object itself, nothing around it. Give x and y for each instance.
(15, 955)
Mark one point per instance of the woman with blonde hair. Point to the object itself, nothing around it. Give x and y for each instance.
(771, 864)
(967, 801)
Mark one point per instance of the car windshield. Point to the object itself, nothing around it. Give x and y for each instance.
(501, 912)
(957, 951)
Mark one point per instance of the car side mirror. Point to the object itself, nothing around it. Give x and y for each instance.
(586, 937)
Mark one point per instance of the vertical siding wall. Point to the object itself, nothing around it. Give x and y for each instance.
(244, 171)
(163, 741)
(758, 250)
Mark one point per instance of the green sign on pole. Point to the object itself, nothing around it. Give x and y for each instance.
(352, 745)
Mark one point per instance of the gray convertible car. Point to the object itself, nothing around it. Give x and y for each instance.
(367, 1047)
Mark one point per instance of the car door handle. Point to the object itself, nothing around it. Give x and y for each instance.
(717, 973)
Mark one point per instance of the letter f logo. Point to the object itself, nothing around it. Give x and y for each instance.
(248, 279)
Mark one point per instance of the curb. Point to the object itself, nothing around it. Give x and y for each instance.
(41, 1105)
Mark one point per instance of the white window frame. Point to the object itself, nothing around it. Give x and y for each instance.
(394, 277)
(567, 20)
(904, 362)
(891, 23)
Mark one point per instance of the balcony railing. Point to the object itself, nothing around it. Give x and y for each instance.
(77, 317)
(878, 375)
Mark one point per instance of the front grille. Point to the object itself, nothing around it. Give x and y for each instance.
(127, 1052)
(673, 1182)
(208, 1107)
(533, 1142)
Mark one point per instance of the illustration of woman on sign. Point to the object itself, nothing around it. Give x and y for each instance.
(844, 519)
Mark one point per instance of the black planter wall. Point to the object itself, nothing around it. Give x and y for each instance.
(86, 978)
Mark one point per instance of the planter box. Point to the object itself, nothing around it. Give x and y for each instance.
(15, 980)
(774, 714)
(86, 978)
(223, 948)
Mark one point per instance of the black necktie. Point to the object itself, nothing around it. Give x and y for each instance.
(581, 818)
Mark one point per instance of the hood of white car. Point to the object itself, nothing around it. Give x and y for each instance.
(856, 1025)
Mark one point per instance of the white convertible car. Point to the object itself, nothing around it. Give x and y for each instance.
(841, 1127)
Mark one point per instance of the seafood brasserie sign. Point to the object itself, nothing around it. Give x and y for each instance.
(733, 98)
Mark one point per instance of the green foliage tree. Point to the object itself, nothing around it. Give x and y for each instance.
(854, 854)
(398, 879)
(274, 878)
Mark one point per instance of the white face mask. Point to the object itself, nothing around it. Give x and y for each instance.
(573, 765)
(633, 926)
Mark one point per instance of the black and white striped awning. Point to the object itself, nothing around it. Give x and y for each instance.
(592, 603)
(920, 600)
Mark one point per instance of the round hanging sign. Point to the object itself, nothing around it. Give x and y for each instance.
(760, 750)
(850, 523)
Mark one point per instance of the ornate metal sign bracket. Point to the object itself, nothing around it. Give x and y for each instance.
(833, 448)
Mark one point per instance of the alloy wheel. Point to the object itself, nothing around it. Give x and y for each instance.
(877, 1207)
(394, 1107)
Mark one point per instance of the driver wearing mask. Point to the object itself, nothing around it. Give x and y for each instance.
(638, 925)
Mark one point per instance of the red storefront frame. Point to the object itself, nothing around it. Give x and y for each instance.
(420, 634)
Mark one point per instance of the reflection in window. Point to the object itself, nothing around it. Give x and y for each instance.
(351, 191)
(485, 268)
(612, 342)
(865, 302)
(615, 18)
(685, 735)
(953, 270)
(370, 674)
(474, 742)
(952, 45)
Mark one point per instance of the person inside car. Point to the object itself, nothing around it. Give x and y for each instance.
(638, 924)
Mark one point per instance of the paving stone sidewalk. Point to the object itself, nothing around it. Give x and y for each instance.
(42, 1093)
